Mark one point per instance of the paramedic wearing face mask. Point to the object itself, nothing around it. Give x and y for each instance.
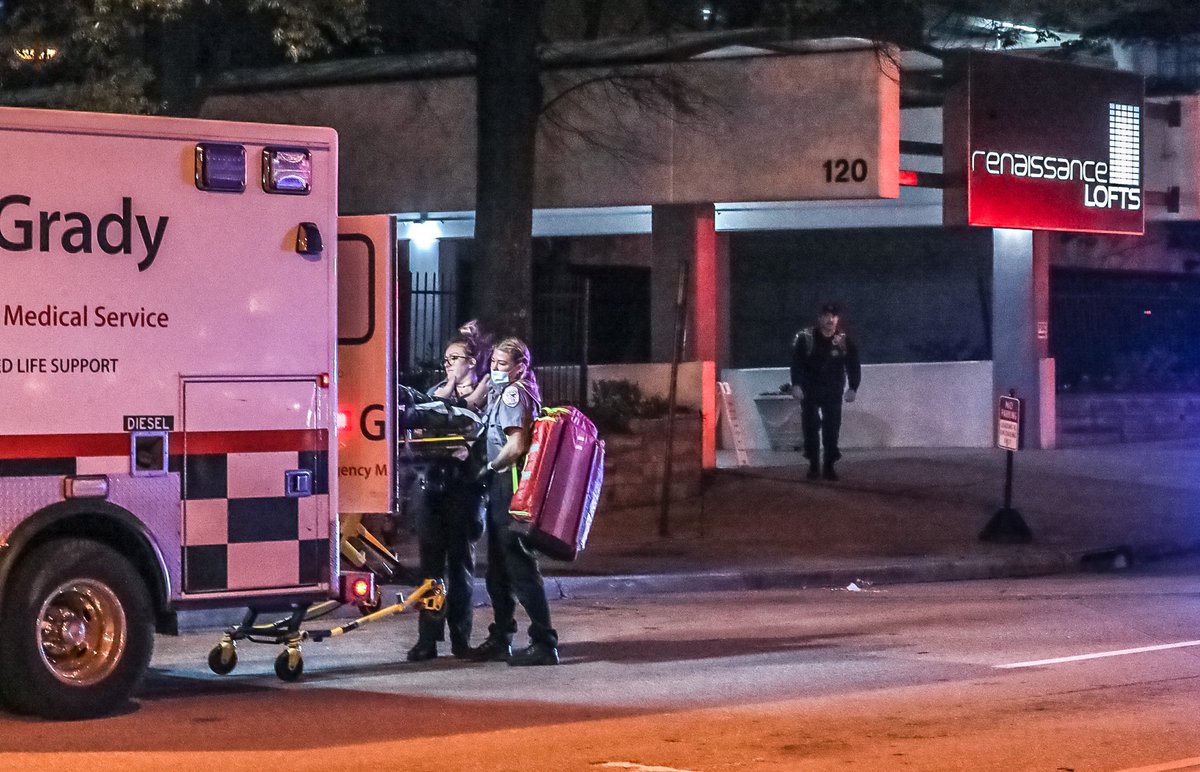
(513, 573)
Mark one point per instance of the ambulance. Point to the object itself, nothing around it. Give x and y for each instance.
(168, 388)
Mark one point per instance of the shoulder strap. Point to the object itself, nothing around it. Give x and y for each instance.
(805, 333)
(537, 403)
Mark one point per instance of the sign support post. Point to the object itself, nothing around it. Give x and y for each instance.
(1007, 526)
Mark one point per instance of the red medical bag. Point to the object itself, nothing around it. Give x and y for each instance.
(559, 486)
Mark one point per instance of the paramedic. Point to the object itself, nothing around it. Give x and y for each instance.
(449, 517)
(823, 359)
(512, 571)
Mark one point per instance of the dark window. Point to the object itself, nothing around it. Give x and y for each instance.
(619, 312)
(910, 294)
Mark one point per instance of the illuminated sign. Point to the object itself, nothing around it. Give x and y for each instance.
(1043, 145)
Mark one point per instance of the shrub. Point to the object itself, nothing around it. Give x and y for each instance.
(615, 403)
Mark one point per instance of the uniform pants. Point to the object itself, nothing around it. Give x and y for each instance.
(447, 528)
(821, 421)
(513, 573)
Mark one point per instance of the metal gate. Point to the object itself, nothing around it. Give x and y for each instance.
(432, 320)
(558, 340)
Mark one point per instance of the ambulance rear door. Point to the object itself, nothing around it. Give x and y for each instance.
(255, 485)
(366, 299)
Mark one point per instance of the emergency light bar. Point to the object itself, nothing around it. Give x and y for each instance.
(287, 170)
(221, 167)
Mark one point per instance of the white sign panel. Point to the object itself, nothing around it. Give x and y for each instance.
(1008, 423)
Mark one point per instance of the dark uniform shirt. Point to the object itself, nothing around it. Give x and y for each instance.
(821, 366)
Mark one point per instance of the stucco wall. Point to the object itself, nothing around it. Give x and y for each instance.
(755, 129)
(938, 404)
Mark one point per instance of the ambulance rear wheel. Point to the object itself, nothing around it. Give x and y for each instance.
(222, 659)
(76, 631)
(289, 665)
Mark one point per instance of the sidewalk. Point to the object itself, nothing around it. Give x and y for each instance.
(901, 515)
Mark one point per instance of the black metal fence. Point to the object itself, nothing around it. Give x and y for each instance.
(559, 339)
(433, 318)
(560, 324)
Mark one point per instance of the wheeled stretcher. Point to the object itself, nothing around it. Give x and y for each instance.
(291, 633)
(431, 431)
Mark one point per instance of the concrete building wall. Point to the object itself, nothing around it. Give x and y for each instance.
(927, 405)
(703, 130)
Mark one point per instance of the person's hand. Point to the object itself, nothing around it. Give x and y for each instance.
(486, 473)
(850, 395)
(797, 392)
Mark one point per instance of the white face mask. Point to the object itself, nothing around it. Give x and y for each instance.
(499, 377)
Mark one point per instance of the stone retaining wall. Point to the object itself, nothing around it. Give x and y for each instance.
(633, 463)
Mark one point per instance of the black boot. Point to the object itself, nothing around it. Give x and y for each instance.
(491, 650)
(535, 654)
(422, 651)
(829, 474)
(814, 470)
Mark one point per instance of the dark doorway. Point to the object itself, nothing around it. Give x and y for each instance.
(619, 311)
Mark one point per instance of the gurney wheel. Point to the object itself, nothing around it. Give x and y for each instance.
(289, 665)
(222, 659)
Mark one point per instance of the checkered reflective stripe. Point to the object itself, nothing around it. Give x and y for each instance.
(241, 532)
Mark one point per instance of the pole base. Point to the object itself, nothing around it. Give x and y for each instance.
(1006, 527)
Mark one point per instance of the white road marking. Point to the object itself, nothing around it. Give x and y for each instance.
(640, 767)
(1168, 766)
(1097, 655)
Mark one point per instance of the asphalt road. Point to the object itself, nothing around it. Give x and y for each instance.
(934, 676)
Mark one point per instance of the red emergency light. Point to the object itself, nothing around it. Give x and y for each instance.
(358, 587)
(343, 420)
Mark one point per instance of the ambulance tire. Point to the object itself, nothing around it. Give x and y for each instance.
(76, 631)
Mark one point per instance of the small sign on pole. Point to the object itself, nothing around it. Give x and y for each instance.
(1008, 424)
(1007, 525)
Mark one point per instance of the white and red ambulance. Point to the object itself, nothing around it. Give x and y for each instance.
(168, 406)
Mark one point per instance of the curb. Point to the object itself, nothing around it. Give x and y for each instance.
(607, 586)
(923, 570)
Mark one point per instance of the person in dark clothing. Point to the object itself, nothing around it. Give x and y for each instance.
(823, 360)
(448, 505)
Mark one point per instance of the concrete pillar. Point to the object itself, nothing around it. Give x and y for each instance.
(686, 234)
(1020, 329)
